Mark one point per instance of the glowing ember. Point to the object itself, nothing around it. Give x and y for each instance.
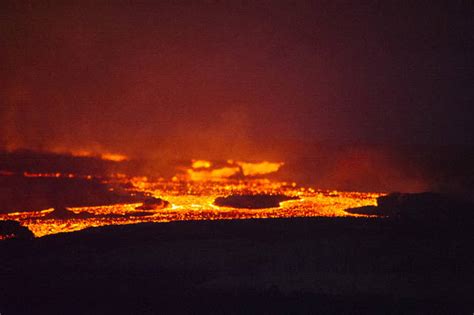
(192, 195)
(6, 237)
(116, 157)
(57, 175)
(113, 157)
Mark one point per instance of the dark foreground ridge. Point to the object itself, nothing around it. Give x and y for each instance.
(307, 265)
(19, 193)
(10, 229)
(422, 208)
(63, 213)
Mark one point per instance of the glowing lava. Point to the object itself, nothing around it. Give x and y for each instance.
(202, 170)
(191, 196)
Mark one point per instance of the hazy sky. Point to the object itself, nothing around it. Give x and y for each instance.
(139, 77)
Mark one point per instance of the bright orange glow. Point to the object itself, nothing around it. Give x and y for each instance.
(201, 164)
(201, 170)
(113, 157)
(78, 153)
(262, 168)
(192, 195)
(116, 157)
(215, 174)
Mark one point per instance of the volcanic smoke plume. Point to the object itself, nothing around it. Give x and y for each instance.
(241, 80)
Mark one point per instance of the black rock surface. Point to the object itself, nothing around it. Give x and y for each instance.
(153, 204)
(13, 229)
(420, 207)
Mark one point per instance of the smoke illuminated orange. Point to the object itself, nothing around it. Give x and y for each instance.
(109, 156)
(201, 164)
(251, 169)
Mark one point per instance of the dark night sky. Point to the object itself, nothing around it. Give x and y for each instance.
(217, 77)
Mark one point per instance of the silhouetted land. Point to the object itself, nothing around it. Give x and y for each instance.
(19, 193)
(310, 265)
(426, 208)
(13, 229)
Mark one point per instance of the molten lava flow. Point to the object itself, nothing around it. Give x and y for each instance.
(202, 170)
(191, 196)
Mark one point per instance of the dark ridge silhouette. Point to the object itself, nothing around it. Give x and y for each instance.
(252, 201)
(423, 207)
(299, 265)
(46, 162)
(152, 203)
(62, 213)
(20, 161)
(12, 229)
(365, 210)
(18, 193)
